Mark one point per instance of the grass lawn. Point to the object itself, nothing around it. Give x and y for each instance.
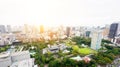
(86, 51)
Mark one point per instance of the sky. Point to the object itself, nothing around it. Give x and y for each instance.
(59, 12)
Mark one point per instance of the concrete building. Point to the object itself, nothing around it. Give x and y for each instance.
(87, 33)
(77, 33)
(5, 59)
(41, 28)
(17, 59)
(113, 30)
(8, 29)
(54, 48)
(96, 40)
(7, 39)
(2, 42)
(68, 29)
(2, 29)
(105, 31)
(78, 58)
(118, 29)
(117, 40)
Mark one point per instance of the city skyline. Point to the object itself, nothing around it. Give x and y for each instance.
(59, 12)
(59, 33)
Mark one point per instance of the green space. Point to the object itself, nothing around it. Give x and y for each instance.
(61, 59)
(83, 51)
(4, 48)
(86, 51)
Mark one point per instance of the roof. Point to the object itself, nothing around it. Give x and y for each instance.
(4, 54)
(78, 58)
(20, 53)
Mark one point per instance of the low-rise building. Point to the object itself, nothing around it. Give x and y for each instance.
(54, 48)
(17, 59)
(2, 42)
(78, 58)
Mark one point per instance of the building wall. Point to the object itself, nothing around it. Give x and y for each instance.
(19, 59)
(2, 43)
(118, 30)
(113, 30)
(87, 33)
(20, 56)
(5, 62)
(24, 63)
(2, 29)
(68, 31)
(41, 29)
(96, 40)
(8, 28)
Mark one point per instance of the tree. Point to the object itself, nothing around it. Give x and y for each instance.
(102, 58)
(107, 60)
(106, 41)
(109, 47)
(37, 59)
(81, 40)
(41, 65)
(75, 49)
(48, 59)
(43, 59)
(55, 63)
(80, 64)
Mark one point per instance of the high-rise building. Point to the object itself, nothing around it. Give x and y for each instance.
(68, 31)
(26, 27)
(2, 29)
(8, 28)
(41, 28)
(105, 31)
(118, 29)
(96, 40)
(113, 30)
(88, 33)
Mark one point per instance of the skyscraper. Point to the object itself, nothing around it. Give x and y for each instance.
(41, 28)
(8, 28)
(26, 28)
(113, 30)
(87, 33)
(68, 31)
(96, 40)
(105, 31)
(2, 29)
(118, 29)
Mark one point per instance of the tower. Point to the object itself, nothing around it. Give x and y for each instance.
(2, 29)
(68, 31)
(96, 40)
(41, 28)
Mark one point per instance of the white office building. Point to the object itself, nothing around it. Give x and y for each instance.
(96, 40)
(17, 59)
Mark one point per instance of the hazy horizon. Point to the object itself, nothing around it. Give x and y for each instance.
(59, 12)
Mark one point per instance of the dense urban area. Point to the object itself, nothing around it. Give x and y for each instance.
(32, 46)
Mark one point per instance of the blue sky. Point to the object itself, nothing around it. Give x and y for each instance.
(56, 12)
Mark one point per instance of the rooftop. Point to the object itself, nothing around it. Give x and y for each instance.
(20, 53)
(4, 54)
